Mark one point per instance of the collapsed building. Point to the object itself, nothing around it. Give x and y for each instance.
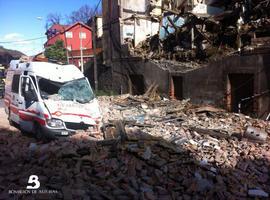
(211, 51)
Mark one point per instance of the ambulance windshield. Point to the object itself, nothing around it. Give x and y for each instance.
(76, 90)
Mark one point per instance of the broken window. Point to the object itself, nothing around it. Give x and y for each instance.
(48, 87)
(77, 90)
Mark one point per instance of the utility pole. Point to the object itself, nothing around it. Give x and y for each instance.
(66, 46)
(80, 35)
(94, 51)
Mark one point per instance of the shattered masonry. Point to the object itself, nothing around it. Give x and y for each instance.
(191, 50)
(207, 31)
(160, 150)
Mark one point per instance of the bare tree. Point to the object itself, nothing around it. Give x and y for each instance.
(83, 14)
(53, 18)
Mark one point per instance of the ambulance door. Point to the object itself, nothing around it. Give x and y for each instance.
(28, 108)
(15, 100)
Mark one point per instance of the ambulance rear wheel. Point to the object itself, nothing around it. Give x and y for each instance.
(11, 123)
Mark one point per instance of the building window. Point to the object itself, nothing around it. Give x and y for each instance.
(82, 35)
(69, 35)
(69, 48)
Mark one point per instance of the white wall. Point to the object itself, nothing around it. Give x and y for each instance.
(99, 27)
(137, 28)
(145, 29)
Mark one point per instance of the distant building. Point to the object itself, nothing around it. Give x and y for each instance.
(40, 57)
(75, 37)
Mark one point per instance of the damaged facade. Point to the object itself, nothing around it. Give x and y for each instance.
(210, 51)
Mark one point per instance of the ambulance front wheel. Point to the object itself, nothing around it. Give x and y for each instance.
(39, 134)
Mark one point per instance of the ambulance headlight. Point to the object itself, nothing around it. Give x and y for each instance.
(55, 123)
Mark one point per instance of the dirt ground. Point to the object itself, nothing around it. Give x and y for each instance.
(4, 124)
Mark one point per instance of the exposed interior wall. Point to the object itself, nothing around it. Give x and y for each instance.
(125, 20)
(120, 24)
(136, 26)
(125, 71)
(143, 29)
(210, 84)
(156, 11)
(138, 30)
(99, 25)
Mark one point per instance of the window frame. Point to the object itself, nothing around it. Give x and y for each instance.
(82, 35)
(69, 34)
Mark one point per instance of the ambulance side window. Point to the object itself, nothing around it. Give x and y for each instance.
(27, 89)
(15, 84)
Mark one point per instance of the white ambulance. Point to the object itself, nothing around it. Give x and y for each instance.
(49, 99)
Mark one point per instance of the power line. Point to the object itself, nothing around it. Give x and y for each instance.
(18, 41)
(97, 7)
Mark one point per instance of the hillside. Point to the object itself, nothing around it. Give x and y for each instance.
(7, 54)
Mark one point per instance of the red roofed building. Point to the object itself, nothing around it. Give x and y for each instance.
(74, 37)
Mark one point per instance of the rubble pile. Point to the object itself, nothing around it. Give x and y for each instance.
(155, 149)
(207, 31)
(151, 115)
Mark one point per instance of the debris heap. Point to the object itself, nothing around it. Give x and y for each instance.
(155, 149)
(207, 31)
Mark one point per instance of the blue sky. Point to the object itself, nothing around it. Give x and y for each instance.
(25, 19)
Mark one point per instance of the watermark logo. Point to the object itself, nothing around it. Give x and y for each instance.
(33, 179)
(32, 187)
